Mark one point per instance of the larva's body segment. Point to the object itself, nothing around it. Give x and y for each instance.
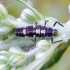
(29, 31)
(37, 31)
(19, 32)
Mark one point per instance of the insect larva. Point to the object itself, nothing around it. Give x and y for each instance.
(37, 31)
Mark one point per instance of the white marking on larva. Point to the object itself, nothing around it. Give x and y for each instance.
(24, 31)
(33, 26)
(37, 31)
(43, 31)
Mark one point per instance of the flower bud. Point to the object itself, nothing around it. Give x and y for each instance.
(44, 44)
(4, 57)
(29, 16)
(15, 50)
(17, 59)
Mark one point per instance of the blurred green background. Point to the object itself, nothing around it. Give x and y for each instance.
(54, 8)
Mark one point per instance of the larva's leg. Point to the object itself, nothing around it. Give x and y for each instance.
(46, 21)
(34, 40)
(36, 23)
(55, 41)
(57, 23)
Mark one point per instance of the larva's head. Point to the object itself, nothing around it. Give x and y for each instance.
(55, 32)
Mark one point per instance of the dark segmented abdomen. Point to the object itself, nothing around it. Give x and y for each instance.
(19, 32)
(37, 31)
(22, 32)
(49, 32)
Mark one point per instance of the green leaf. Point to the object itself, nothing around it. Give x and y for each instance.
(56, 55)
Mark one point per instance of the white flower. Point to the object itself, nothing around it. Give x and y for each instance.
(44, 44)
